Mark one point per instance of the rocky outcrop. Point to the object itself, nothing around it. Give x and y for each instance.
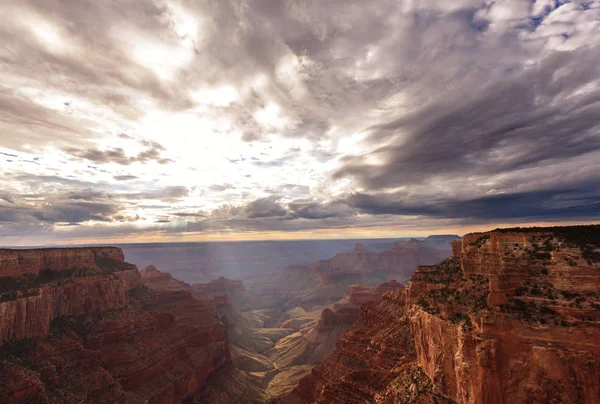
(92, 332)
(513, 317)
(159, 280)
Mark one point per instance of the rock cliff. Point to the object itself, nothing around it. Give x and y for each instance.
(513, 316)
(16, 263)
(78, 325)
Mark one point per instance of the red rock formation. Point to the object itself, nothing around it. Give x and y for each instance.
(30, 317)
(158, 280)
(15, 263)
(328, 321)
(513, 317)
(371, 363)
(101, 338)
(222, 301)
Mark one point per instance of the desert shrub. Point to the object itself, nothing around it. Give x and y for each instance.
(545, 310)
(17, 349)
(481, 240)
(569, 295)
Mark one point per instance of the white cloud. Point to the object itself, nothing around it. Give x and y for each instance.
(260, 95)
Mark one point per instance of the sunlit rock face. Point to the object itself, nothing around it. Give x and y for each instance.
(512, 317)
(78, 325)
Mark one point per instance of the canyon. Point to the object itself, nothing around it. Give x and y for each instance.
(506, 316)
(512, 317)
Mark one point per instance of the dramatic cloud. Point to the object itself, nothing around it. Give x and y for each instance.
(177, 117)
(69, 208)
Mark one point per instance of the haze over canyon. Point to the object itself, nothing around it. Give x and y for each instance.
(300, 201)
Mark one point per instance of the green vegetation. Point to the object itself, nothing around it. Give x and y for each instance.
(586, 237)
(411, 386)
(481, 240)
(460, 317)
(530, 311)
(445, 272)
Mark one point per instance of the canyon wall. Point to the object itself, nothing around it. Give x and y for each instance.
(512, 317)
(15, 263)
(79, 325)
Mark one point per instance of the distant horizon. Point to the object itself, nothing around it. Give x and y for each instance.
(248, 240)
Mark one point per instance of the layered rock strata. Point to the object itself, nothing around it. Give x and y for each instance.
(78, 325)
(513, 316)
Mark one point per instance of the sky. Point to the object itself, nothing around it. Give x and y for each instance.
(181, 120)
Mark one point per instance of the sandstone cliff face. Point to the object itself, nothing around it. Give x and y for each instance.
(513, 317)
(68, 336)
(30, 317)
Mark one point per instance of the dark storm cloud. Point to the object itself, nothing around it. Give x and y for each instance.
(529, 119)
(74, 208)
(306, 209)
(581, 202)
(5, 196)
(76, 212)
(274, 208)
(264, 207)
